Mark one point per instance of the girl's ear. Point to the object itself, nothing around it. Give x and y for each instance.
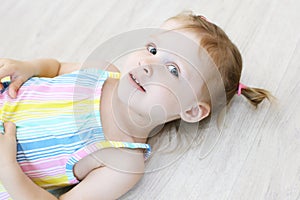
(196, 113)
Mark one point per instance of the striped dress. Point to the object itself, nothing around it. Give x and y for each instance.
(58, 123)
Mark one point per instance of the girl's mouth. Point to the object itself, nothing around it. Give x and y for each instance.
(136, 83)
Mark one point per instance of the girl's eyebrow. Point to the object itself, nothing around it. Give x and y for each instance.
(152, 38)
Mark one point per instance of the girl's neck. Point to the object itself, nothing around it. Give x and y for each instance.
(129, 121)
(124, 124)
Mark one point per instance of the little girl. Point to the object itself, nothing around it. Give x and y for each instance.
(66, 137)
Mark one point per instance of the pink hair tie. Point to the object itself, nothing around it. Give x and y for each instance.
(204, 18)
(241, 86)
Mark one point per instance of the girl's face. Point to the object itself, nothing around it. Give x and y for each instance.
(159, 81)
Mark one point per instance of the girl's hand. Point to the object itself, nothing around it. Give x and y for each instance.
(8, 145)
(19, 72)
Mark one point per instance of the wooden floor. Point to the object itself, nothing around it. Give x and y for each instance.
(257, 154)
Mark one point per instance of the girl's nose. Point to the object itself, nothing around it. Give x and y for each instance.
(146, 68)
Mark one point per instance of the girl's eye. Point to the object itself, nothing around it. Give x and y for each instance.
(152, 49)
(173, 70)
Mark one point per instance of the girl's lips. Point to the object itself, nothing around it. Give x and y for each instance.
(135, 83)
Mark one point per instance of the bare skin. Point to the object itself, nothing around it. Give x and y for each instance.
(114, 170)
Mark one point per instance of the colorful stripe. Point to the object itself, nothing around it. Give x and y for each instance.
(58, 123)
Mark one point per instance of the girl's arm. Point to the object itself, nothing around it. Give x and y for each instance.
(103, 183)
(100, 183)
(51, 67)
(21, 71)
(18, 185)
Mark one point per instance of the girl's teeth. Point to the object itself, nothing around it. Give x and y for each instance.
(133, 77)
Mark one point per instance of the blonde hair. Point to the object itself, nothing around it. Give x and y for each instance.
(224, 54)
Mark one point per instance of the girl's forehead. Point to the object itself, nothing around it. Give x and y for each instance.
(177, 25)
(171, 24)
(182, 35)
(181, 41)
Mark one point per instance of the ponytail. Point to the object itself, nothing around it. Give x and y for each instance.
(256, 95)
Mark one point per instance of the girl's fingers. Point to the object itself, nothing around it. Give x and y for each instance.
(14, 86)
(4, 72)
(10, 129)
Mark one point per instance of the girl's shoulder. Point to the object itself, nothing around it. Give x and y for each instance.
(126, 160)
